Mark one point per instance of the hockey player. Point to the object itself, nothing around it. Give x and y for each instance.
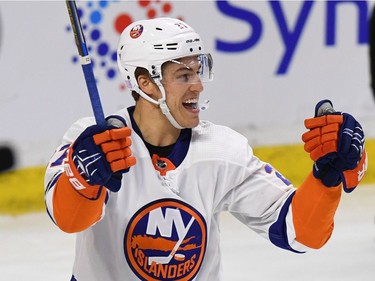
(144, 193)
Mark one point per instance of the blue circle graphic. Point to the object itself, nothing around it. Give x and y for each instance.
(103, 49)
(103, 4)
(111, 73)
(114, 56)
(95, 34)
(96, 17)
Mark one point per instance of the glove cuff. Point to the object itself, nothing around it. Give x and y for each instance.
(351, 178)
(91, 192)
(329, 176)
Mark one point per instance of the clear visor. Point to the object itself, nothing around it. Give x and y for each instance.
(188, 70)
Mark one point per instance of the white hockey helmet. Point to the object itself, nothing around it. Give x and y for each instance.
(150, 43)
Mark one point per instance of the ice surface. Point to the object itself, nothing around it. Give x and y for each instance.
(33, 249)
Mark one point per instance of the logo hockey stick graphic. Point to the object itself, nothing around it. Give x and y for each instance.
(167, 259)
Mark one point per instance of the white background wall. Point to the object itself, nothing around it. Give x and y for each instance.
(42, 92)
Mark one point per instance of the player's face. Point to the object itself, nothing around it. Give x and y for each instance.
(183, 86)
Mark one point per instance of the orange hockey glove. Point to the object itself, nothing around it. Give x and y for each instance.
(99, 157)
(336, 145)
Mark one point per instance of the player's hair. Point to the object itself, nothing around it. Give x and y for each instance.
(135, 95)
(143, 71)
(138, 72)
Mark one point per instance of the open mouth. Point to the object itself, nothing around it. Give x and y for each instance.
(191, 104)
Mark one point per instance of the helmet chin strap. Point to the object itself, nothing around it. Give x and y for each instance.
(162, 104)
(164, 107)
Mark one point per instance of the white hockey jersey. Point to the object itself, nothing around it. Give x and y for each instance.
(166, 227)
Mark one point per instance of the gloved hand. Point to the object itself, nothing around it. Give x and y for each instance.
(100, 156)
(336, 145)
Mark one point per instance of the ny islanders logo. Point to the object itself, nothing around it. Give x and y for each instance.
(136, 31)
(166, 240)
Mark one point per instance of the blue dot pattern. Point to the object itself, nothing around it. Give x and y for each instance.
(92, 16)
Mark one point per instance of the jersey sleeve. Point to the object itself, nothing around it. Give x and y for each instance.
(261, 201)
(313, 209)
(69, 210)
(295, 219)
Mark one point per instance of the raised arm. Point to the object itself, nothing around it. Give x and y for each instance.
(80, 174)
(335, 143)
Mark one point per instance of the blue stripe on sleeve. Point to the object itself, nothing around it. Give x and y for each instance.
(278, 230)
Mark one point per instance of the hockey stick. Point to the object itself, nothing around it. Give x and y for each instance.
(86, 63)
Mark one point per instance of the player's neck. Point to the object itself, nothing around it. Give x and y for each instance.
(154, 126)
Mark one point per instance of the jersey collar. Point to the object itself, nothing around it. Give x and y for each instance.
(181, 147)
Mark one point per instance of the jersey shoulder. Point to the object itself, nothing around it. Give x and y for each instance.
(221, 142)
(76, 129)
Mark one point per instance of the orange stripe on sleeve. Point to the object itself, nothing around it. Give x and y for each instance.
(72, 211)
(314, 206)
